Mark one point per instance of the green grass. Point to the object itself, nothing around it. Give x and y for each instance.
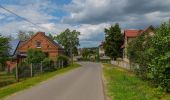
(124, 85)
(6, 79)
(8, 90)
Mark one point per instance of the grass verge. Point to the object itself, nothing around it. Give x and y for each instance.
(8, 90)
(124, 85)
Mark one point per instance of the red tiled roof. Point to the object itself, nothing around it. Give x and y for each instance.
(132, 33)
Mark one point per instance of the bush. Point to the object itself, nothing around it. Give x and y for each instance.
(152, 54)
(63, 59)
(23, 70)
(48, 64)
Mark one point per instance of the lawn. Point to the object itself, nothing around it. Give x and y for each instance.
(8, 90)
(124, 85)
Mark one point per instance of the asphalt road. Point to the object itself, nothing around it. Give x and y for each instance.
(84, 83)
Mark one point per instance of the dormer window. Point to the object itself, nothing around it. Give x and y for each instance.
(38, 44)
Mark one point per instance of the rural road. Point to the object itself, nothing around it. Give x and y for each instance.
(84, 83)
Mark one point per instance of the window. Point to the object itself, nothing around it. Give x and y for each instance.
(38, 44)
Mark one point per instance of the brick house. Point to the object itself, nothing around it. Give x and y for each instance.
(38, 41)
(129, 35)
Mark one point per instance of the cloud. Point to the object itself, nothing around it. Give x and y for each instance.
(122, 11)
(90, 17)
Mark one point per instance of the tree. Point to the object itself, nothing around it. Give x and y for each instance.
(30, 34)
(50, 36)
(138, 53)
(4, 48)
(22, 36)
(113, 42)
(69, 39)
(34, 56)
(85, 53)
(160, 52)
(152, 54)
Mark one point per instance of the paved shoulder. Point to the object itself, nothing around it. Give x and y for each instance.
(84, 83)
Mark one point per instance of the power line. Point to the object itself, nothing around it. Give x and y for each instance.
(19, 16)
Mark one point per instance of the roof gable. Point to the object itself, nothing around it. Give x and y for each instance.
(132, 33)
(14, 45)
(44, 37)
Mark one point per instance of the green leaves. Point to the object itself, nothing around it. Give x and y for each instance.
(4, 49)
(35, 56)
(113, 41)
(153, 53)
(69, 39)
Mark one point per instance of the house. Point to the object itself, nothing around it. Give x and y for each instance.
(38, 41)
(13, 52)
(101, 50)
(129, 35)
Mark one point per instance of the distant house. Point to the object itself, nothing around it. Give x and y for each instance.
(101, 50)
(38, 41)
(129, 35)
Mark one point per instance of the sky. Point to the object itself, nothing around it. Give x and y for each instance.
(89, 17)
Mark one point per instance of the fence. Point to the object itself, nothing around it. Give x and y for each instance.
(25, 70)
(122, 64)
(125, 64)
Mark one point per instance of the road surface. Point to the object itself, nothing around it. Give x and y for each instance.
(84, 83)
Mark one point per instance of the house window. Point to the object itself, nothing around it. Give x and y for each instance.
(38, 44)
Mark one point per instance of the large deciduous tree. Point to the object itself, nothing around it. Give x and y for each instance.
(113, 41)
(69, 39)
(23, 36)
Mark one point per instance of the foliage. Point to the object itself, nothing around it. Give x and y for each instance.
(138, 53)
(23, 70)
(160, 53)
(85, 53)
(113, 42)
(152, 54)
(63, 59)
(4, 48)
(48, 64)
(68, 39)
(23, 36)
(35, 56)
(119, 81)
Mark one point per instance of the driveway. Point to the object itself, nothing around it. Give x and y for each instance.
(84, 83)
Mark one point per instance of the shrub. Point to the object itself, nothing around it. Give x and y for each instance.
(23, 70)
(152, 54)
(63, 59)
(48, 64)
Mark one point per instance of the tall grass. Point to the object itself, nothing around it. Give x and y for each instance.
(124, 85)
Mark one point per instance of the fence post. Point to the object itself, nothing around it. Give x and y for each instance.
(31, 70)
(41, 68)
(59, 64)
(62, 63)
(17, 78)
